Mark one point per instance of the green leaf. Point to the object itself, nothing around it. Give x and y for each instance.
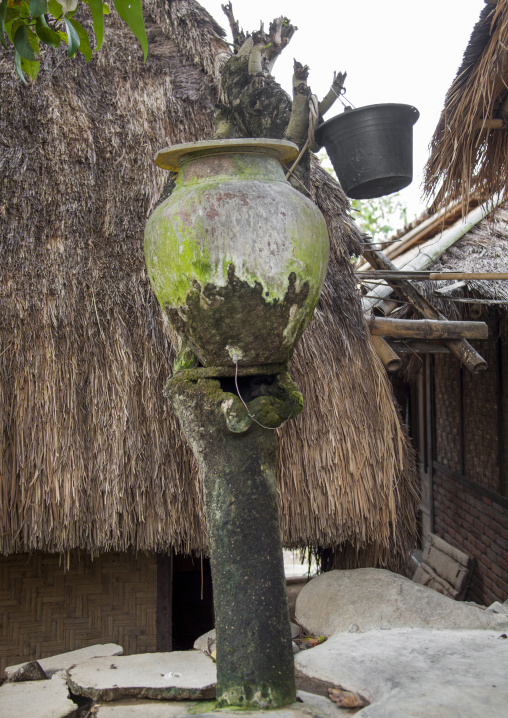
(131, 12)
(3, 8)
(31, 68)
(20, 8)
(55, 9)
(72, 38)
(11, 27)
(84, 42)
(45, 33)
(22, 43)
(17, 65)
(97, 10)
(37, 8)
(33, 40)
(105, 9)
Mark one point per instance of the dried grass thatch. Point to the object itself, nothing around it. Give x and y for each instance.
(91, 455)
(466, 157)
(484, 248)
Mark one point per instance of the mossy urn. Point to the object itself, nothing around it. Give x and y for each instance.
(236, 256)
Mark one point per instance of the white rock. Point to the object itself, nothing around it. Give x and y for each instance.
(319, 704)
(37, 699)
(295, 630)
(63, 661)
(201, 643)
(30, 671)
(416, 673)
(374, 598)
(178, 675)
(498, 607)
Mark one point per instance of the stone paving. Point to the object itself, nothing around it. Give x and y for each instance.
(180, 675)
(394, 670)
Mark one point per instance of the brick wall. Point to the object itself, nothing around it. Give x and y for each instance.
(479, 526)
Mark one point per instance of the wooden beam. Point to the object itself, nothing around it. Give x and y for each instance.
(390, 360)
(459, 347)
(426, 328)
(421, 346)
(164, 609)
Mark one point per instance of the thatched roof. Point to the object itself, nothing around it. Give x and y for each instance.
(483, 249)
(91, 455)
(466, 155)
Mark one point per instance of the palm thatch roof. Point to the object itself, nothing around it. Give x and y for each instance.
(469, 149)
(91, 455)
(483, 249)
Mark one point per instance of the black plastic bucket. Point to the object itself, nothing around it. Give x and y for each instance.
(371, 148)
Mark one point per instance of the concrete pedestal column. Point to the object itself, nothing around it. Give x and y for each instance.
(237, 461)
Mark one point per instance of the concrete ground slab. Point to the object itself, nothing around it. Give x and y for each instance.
(145, 709)
(63, 661)
(37, 699)
(311, 706)
(417, 673)
(179, 675)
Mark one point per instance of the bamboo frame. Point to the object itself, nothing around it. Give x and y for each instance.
(391, 361)
(460, 347)
(429, 276)
(417, 346)
(426, 328)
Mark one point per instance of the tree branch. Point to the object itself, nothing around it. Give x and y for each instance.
(298, 125)
(281, 32)
(339, 79)
(256, 54)
(238, 34)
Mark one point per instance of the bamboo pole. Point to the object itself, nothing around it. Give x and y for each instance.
(490, 123)
(385, 307)
(434, 251)
(384, 351)
(426, 328)
(432, 276)
(459, 347)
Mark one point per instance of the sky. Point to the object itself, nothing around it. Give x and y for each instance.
(392, 51)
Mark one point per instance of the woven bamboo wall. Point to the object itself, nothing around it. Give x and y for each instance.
(45, 610)
(479, 415)
(447, 393)
(480, 418)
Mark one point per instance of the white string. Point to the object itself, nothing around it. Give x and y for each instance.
(235, 359)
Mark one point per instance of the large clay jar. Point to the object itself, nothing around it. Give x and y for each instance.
(235, 255)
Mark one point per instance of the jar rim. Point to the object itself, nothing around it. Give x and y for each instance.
(170, 158)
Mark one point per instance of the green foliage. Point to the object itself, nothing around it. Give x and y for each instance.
(27, 23)
(379, 217)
